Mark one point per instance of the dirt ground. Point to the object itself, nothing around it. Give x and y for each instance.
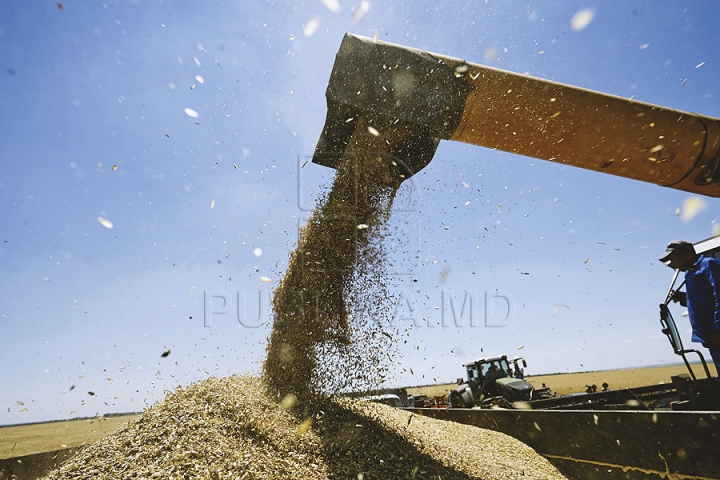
(566, 383)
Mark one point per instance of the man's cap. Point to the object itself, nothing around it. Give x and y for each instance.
(677, 245)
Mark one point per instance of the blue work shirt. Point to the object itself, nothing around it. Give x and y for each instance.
(703, 298)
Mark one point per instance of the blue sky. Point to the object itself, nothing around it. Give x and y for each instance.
(94, 125)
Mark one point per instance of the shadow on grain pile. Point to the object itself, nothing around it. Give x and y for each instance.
(358, 442)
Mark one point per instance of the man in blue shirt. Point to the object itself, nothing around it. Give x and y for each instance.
(702, 278)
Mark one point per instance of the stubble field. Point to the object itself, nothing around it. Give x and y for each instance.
(566, 383)
(20, 440)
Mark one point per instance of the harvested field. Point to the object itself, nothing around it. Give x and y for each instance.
(616, 379)
(19, 440)
(231, 428)
(565, 383)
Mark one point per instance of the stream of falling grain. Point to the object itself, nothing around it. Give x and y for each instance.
(331, 306)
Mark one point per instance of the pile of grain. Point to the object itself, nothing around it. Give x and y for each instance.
(225, 428)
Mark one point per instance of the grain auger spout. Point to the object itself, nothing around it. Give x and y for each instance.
(412, 99)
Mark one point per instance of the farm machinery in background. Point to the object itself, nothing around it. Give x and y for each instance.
(490, 382)
(493, 382)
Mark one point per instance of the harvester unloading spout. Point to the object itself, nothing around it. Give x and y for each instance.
(415, 99)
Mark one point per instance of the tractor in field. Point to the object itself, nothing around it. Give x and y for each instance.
(493, 381)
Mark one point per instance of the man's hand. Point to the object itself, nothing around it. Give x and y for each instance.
(679, 297)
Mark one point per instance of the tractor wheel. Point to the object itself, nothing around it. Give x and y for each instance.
(456, 400)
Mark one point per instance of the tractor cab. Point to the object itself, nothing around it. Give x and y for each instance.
(489, 369)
